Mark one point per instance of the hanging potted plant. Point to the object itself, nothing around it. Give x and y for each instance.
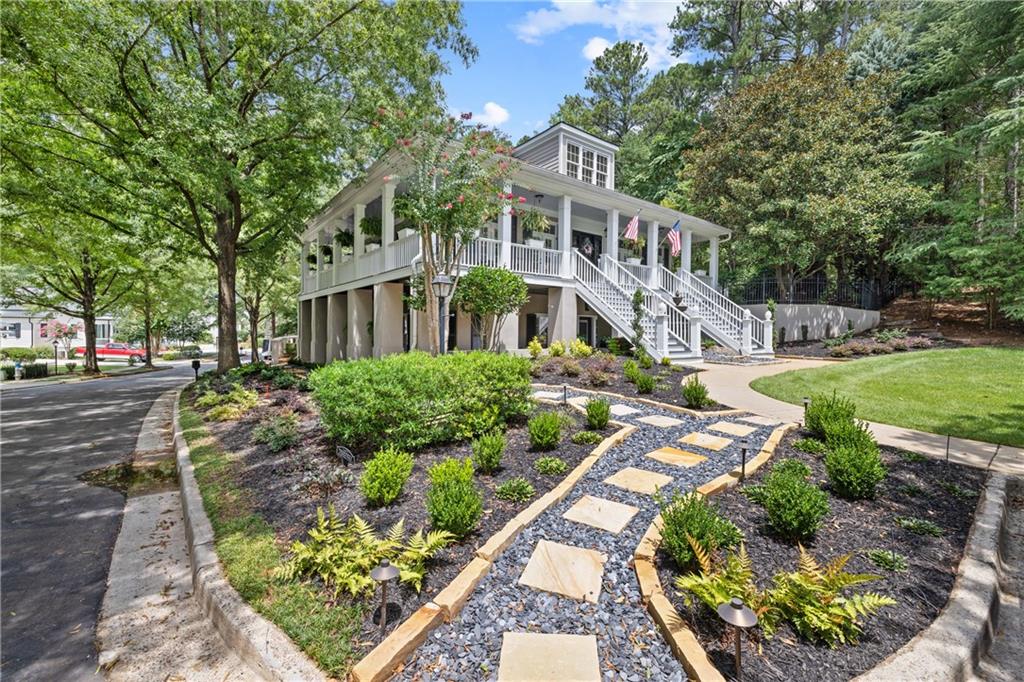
(343, 241)
(533, 222)
(326, 254)
(371, 226)
(636, 249)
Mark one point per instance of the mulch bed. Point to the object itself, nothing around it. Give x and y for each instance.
(551, 371)
(817, 349)
(287, 487)
(910, 489)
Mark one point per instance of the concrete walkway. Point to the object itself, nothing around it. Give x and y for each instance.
(730, 385)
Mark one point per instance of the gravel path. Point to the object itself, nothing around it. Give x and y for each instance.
(628, 643)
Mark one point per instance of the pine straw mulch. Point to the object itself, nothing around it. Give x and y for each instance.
(911, 489)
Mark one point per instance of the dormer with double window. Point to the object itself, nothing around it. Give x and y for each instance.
(565, 149)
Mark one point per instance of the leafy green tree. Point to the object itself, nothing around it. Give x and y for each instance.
(268, 285)
(804, 167)
(490, 295)
(224, 121)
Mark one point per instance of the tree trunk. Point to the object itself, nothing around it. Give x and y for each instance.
(227, 321)
(254, 332)
(147, 321)
(430, 310)
(90, 366)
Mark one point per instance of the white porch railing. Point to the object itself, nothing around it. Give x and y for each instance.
(678, 323)
(527, 260)
(641, 272)
(402, 251)
(482, 251)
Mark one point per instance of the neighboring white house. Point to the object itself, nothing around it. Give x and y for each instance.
(22, 328)
(580, 280)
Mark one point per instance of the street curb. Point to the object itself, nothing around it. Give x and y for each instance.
(258, 642)
(674, 630)
(951, 646)
(380, 663)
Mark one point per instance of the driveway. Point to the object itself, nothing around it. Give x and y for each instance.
(58, 533)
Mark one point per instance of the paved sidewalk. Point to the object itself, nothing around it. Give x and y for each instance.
(730, 385)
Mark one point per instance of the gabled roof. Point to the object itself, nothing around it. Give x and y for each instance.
(561, 127)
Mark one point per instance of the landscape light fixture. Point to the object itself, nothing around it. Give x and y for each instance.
(383, 574)
(195, 368)
(739, 615)
(565, 393)
(55, 371)
(442, 286)
(677, 298)
(744, 445)
(807, 403)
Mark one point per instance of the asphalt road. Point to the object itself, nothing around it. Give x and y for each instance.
(57, 532)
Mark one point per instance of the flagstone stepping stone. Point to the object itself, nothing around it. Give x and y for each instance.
(570, 571)
(705, 440)
(760, 421)
(676, 457)
(658, 420)
(579, 401)
(733, 429)
(620, 410)
(601, 513)
(638, 480)
(548, 395)
(536, 657)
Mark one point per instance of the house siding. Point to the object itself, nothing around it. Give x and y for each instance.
(544, 155)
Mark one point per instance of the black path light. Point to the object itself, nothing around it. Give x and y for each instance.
(195, 367)
(383, 574)
(739, 615)
(55, 370)
(807, 403)
(744, 446)
(442, 286)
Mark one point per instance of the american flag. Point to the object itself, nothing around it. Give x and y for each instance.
(633, 227)
(674, 238)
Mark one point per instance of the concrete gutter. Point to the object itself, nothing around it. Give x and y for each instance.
(258, 642)
(950, 648)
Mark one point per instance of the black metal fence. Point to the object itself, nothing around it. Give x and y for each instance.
(867, 295)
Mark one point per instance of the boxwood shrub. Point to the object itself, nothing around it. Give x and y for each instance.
(413, 399)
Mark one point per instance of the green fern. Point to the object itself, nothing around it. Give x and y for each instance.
(343, 554)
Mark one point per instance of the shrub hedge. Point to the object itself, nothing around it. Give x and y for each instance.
(413, 399)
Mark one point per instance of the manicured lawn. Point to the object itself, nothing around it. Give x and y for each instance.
(975, 393)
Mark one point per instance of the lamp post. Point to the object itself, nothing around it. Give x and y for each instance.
(442, 285)
(55, 371)
(195, 367)
(739, 615)
(383, 574)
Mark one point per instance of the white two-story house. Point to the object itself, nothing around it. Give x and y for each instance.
(357, 258)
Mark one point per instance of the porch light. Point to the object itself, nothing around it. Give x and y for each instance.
(740, 616)
(383, 574)
(442, 286)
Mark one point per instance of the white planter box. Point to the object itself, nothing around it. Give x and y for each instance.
(535, 243)
(406, 232)
(633, 261)
(372, 247)
(700, 273)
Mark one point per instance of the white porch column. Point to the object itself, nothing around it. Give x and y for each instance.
(713, 261)
(318, 348)
(358, 238)
(661, 330)
(360, 311)
(686, 255)
(387, 319)
(422, 338)
(565, 234)
(336, 323)
(387, 208)
(305, 328)
(613, 233)
(508, 335)
(652, 252)
(505, 231)
(561, 314)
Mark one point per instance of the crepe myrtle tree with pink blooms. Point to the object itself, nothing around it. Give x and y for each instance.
(66, 334)
(455, 173)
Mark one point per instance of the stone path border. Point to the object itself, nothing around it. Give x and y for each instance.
(950, 648)
(700, 414)
(258, 642)
(673, 628)
(383, 659)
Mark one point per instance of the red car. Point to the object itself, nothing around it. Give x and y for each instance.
(115, 351)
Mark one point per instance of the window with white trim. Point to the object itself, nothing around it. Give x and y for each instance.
(601, 175)
(572, 160)
(587, 169)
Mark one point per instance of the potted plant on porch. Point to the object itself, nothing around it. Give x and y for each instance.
(371, 226)
(533, 222)
(636, 248)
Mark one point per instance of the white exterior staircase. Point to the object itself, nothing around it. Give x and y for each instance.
(609, 290)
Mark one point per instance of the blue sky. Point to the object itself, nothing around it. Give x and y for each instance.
(534, 53)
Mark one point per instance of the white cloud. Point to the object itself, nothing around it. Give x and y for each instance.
(595, 47)
(634, 20)
(494, 114)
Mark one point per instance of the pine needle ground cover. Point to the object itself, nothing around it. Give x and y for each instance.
(966, 392)
(915, 490)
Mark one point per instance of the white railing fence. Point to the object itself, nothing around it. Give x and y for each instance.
(527, 260)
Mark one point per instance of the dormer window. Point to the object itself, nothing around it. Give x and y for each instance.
(588, 165)
(566, 149)
(572, 160)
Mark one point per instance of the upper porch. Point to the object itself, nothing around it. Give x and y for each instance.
(357, 240)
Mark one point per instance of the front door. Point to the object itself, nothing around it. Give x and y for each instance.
(588, 244)
(585, 329)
